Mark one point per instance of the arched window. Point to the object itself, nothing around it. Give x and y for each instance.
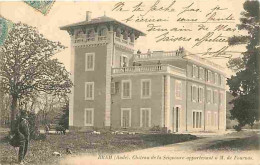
(90, 33)
(118, 32)
(102, 32)
(125, 35)
(132, 37)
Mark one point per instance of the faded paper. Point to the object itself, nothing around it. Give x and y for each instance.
(201, 27)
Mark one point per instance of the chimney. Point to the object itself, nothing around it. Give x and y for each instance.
(88, 15)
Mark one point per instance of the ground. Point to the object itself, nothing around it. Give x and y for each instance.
(85, 146)
(41, 151)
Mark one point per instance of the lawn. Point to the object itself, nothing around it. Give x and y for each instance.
(41, 151)
(237, 144)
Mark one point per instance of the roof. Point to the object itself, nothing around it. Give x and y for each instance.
(99, 20)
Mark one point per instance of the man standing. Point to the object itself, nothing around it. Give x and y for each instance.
(24, 135)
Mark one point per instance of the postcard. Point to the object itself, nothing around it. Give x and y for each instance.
(130, 82)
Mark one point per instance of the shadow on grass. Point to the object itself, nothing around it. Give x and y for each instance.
(248, 143)
(165, 139)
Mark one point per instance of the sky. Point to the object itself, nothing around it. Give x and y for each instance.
(64, 13)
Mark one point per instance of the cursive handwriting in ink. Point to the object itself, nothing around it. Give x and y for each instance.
(217, 8)
(119, 7)
(213, 18)
(221, 53)
(155, 7)
(166, 38)
(158, 28)
(209, 38)
(138, 7)
(189, 9)
(142, 19)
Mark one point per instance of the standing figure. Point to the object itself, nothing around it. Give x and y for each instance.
(24, 135)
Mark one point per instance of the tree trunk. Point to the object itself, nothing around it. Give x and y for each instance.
(13, 111)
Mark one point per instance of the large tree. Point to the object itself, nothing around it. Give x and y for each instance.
(244, 85)
(27, 66)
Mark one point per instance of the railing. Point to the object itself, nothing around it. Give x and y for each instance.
(118, 39)
(102, 38)
(159, 54)
(148, 68)
(169, 54)
(203, 60)
(83, 38)
(124, 42)
(131, 43)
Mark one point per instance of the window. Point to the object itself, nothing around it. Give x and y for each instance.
(178, 89)
(200, 94)
(90, 33)
(194, 93)
(194, 71)
(213, 78)
(221, 98)
(145, 88)
(125, 35)
(89, 90)
(102, 32)
(114, 87)
(209, 118)
(123, 61)
(215, 119)
(223, 81)
(216, 78)
(196, 116)
(215, 96)
(126, 89)
(89, 116)
(90, 61)
(209, 91)
(126, 117)
(118, 32)
(201, 73)
(209, 76)
(145, 117)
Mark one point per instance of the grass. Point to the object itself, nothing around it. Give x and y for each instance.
(236, 144)
(40, 151)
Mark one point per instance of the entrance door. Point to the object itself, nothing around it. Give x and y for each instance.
(177, 119)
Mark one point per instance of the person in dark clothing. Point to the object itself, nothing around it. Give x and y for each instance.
(24, 135)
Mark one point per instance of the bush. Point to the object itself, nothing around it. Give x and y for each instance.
(60, 129)
(237, 128)
(34, 127)
(64, 119)
(41, 137)
(156, 128)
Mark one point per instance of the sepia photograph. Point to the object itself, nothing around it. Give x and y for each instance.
(118, 82)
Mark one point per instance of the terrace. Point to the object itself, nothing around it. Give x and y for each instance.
(165, 68)
(163, 55)
(84, 39)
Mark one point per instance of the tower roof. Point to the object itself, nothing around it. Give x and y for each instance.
(101, 20)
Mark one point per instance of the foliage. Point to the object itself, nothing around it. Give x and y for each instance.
(244, 86)
(40, 151)
(34, 125)
(64, 119)
(27, 66)
(237, 128)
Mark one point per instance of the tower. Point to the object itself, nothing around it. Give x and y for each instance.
(97, 46)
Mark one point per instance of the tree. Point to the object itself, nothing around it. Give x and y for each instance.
(27, 66)
(244, 85)
(64, 119)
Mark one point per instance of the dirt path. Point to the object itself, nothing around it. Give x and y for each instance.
(191, 152)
